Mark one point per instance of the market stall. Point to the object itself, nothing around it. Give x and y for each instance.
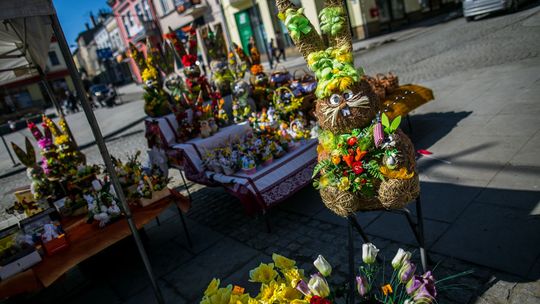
(54, 245)
(261, 148)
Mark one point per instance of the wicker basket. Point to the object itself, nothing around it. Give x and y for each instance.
(156, 196)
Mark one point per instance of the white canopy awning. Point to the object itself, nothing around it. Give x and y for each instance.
(25, 36)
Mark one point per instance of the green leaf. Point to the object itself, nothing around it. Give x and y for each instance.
(319, 166)
(395, 123)
(384, 120)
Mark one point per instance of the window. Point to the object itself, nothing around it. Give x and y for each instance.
(146, 8)
(165, 6)
(139, 12)
(130, 19)
(53, 58)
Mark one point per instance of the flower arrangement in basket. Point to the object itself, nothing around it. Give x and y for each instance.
(347, 107)
(153, 186)
(129, 174)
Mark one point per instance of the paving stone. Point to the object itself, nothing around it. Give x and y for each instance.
(201, 236)
(444, 201)
(493, 236)
(225, 257)
(148, 296)
(515, 187)
(395, 227)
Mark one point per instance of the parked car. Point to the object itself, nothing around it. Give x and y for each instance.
(472, 8)
(102, 93)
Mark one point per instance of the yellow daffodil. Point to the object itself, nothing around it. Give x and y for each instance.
(282, 262)
(240, 299)
(402, 173)
(285, 294)
(293, 276)
(263, 274)
(299, 301)
(212, 287)
(344, 184)
(267, 291)
(221, 296)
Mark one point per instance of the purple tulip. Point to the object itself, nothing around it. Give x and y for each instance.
(414, 284)
(303, 288)
(406, 272)
(362, 285)
(424, 295)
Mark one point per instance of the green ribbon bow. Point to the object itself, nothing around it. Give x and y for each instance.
(297, 23)
(332, 20)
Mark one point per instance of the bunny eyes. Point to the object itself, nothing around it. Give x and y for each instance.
(348, 94)
(335, 99)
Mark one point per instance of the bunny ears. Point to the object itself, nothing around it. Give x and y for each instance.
(214, 42)
(27, 158)
(333, 66)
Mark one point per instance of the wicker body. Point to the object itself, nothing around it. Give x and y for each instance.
(392, 193)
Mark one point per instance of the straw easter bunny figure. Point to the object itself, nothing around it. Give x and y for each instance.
(361, 165)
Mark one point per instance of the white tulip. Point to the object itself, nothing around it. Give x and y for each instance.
(323, 266)
(401, 256)
(369, 253)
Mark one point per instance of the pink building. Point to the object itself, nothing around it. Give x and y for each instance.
(137, 22)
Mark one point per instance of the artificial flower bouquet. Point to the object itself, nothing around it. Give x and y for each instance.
(102, 205)
(283, 282)
(129, 174)
(153, 186)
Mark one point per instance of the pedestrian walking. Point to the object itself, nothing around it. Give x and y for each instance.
(272, 50)
(71, 102)
(280, 46)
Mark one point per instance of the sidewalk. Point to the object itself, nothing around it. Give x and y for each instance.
(410, 31)
(112, 121)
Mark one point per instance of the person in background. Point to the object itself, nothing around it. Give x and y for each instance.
(71, 102)
(280, 46)
(251, 44)
(272, 50)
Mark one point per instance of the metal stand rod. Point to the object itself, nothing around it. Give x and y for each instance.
(354, 221)
(103, 150)
(267, 221)
(158, 222)
(351, 261)
(420, 222)
(9, 151)
(183, 220)
(186, 185)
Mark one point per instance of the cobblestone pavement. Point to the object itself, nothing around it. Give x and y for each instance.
(454, 57)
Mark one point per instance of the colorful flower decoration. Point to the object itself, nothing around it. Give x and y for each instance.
(297, 23)
(332, 20)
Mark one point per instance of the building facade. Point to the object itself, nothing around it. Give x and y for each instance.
(258, 18)
(109, 46)
(136, 22)
(179, 15)
(27, 95)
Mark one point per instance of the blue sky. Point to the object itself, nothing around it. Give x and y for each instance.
(74, 13)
